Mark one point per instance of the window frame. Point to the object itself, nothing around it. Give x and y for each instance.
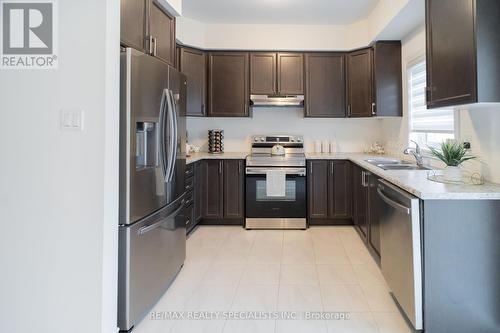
(456, 113)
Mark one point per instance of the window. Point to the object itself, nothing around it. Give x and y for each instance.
(427, 127)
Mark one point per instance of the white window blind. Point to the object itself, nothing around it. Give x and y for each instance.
(427, 127)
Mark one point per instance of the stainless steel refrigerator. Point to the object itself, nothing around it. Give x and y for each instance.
(152, 230)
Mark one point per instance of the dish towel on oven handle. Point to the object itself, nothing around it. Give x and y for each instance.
(275, 183)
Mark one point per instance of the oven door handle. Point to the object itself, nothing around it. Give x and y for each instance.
(288, 171)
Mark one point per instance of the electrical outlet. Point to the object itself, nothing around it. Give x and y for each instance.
(72, 119)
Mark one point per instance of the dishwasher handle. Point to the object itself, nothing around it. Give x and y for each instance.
(393, 203)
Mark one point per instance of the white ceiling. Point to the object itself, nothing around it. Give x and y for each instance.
(331, 12)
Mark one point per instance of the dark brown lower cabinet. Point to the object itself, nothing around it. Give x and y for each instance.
(193, 200)
(366, 203)
(374, 205)
(223, 191)
(198, 191)
(360, 201)
(234, 189)
(213, 184)
(329, 187)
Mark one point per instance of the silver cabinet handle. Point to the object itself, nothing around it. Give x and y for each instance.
(393, 203)
(149, 47)
(331, 168)
(155, 46)
(349, 111)
(220, 167)
(374, 113)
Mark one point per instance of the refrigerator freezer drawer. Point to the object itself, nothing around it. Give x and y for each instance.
(151, 253)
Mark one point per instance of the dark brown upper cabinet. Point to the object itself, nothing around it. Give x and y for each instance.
(161, 33)
(148, 27)
(325, 85)
(463, 52)
(387, 79)
(194, 65)
(360, 101)
(228, 79)
(234, 192)
(330, 193)
(263, 73)
(133, 23)
(290, 73)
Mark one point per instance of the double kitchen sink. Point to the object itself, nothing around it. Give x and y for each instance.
(394, 164)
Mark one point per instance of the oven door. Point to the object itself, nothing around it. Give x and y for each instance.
(292, 205)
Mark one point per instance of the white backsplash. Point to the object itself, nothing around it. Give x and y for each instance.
(350, 135)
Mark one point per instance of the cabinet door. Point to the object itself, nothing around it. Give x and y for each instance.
(162, 29)
(213, 187)
(133, 23)
(360, 84)
(339, 192)
(228, 84)
(360, 198)
(193, 65)
(325, 85)
(263, 73)
(387, 79)
(290, 74)
(318, 189)
(451, 55)
(234, 189)
(373, 213)
(198, 191)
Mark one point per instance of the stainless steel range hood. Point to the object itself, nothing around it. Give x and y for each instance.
(270, 100)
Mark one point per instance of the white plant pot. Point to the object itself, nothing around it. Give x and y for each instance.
(452, 174)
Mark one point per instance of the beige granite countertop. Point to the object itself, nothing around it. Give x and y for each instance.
(416, 182)
(413, 181)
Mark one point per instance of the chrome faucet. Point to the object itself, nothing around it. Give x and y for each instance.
(416, 152)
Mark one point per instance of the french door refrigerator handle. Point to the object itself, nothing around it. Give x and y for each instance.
(170, 123)
(174, 140)
(161, 137)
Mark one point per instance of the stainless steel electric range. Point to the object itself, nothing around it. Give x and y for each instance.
(276, 152)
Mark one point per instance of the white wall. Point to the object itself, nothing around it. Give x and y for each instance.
(300, 37)
(59, 193)
(174, 7)
(351, 135)
(476, 125)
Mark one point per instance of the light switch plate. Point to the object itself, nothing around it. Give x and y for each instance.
(72, 119)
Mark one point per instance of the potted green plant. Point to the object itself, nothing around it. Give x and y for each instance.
(453, 154)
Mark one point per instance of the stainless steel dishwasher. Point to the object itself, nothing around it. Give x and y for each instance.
(401, 250)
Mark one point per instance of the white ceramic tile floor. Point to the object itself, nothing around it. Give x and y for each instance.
(319, 269)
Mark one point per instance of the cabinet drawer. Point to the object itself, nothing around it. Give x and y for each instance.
(189, 170)
(189, 198)
(189, 217)
(189, 184)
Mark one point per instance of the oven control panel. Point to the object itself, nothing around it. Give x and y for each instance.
(277, 139)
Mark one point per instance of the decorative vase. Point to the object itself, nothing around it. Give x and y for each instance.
(452, 174)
